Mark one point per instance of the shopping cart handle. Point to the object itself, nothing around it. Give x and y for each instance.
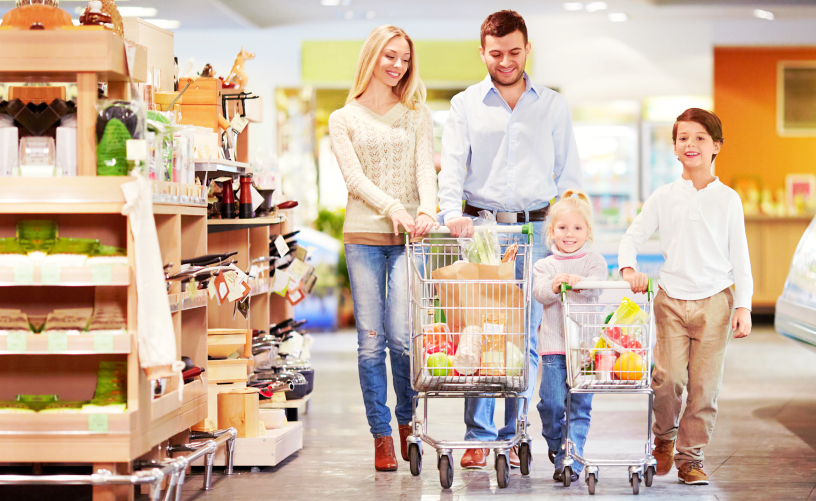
(588, 284)
(526, 229)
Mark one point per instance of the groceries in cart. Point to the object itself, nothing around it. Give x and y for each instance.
(617, 352)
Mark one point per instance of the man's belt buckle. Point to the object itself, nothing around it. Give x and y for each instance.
(507, 217)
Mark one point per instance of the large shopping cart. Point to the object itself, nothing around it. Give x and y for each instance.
(610, 358)
(470, 337)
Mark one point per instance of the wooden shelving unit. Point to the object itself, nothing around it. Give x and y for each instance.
(91, 207)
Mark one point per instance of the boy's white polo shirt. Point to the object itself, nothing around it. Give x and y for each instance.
(702, 238)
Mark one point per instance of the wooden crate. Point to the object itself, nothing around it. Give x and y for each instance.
(204, 91)
(203, 115)
(227, 371)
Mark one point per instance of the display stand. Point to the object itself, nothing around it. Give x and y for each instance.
(90, 207)
(251, 238)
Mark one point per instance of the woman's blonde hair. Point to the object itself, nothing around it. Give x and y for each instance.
(410, 89)
(571, 201)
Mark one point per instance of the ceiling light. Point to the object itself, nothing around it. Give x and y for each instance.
(618, 17)
(763, 14)
(168, 24)
(595, 6)
(330, 2)
(371, 14)
(574, 6)
(349, 14)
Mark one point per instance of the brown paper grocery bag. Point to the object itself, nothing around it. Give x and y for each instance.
(465, 303)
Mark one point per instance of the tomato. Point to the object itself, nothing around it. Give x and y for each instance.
(614, 334)
(443, 346)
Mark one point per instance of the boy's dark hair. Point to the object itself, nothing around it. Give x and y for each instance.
(708, 120)
(502, 23)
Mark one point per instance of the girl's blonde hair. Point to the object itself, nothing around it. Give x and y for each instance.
(410, 89)
(571, 201)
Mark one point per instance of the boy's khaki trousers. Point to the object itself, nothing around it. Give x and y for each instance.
(691, 340)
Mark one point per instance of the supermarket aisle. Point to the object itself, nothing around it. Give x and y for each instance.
(764, 445)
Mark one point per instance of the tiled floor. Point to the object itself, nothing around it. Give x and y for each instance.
(764, 444)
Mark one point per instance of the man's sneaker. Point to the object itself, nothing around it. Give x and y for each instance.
(691, 473)
(664, 454)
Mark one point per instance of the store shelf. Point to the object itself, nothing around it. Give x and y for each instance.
(265, 450)
(81, 344)
(294, 408)
(221, 225)
(260, 286)
(217, 167)
(85, 195)
(183, 301)
(58, 55)
(67, 276)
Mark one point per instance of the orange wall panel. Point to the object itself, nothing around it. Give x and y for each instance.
(745, 100)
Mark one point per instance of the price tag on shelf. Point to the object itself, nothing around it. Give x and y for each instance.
(57, 342)
(281, 283)
(23, 274)
(280, 244)
(50, 275)
(98, 423)
(101, 274)
(103, 343)
(16, 342)
(278, 397)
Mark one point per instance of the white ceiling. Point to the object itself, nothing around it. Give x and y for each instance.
(232, 14)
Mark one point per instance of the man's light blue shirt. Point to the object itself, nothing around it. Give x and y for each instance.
(510, 160)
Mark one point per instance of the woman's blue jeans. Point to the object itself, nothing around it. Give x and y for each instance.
(379, 290)
(552, 408)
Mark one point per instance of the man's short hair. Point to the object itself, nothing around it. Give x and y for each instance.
(502, 23)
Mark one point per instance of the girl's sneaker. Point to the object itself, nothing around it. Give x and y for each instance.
(691, 473)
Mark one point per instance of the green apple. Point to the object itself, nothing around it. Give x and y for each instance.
(439, 364)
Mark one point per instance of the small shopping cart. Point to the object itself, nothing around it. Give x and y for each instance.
(470, 337)
(609, 351)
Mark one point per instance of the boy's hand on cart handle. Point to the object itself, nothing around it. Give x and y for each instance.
(558, 280)
(424, 224)
(460, 227)
(638, 281)
(402, 218)
(741, 323)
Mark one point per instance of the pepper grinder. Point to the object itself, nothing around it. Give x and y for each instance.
(245, 198)
(227, 200)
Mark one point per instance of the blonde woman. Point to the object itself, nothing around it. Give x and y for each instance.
(383, 140)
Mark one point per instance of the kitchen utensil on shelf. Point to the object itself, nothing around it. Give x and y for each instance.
(267, 205)
(227, 200)
(245, 198)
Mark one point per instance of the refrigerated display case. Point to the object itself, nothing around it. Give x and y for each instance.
(609, 160)
(796, 307)
(659, 165)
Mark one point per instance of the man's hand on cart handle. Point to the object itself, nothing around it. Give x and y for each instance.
(460, 227)
(741, 323)
(638, 281)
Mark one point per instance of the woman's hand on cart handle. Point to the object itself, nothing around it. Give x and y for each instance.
(424, 224)
(402, 218)
(741, 323)
(639, 282)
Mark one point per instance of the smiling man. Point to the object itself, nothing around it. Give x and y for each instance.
(508, 147)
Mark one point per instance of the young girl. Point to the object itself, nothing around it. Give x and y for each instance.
(569, 228)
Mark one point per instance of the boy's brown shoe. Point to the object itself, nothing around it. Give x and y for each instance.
(384, 458)
(664, 454)
(691, 473)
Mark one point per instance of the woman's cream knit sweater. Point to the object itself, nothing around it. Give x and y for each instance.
(388, 164)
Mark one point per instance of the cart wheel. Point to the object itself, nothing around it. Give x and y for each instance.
(591, 481)
(566, 475)
(415, 458)
(649, 476)
(525, 458)
(445, 472)
(502, 471)
(635, 483)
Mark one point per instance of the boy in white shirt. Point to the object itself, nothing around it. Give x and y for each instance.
(702, 237)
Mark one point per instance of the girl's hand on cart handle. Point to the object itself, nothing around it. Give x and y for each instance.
(573, 279)
(402, 218)
(638, 281)
(424, 224)
(460, 227)
(741, 323)
(558, 280)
